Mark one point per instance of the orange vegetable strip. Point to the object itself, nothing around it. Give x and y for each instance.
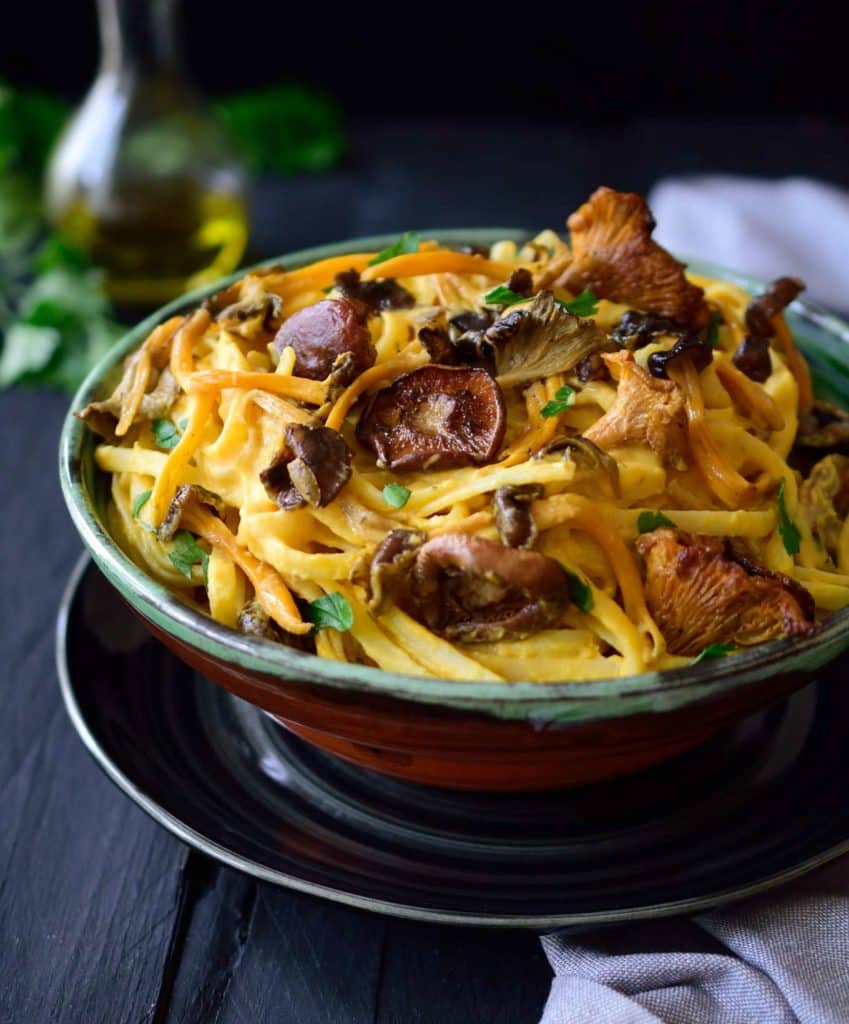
(409, 359)
(439, 261)
(170, 476)
(725, 482)
(182, 348)
(300, 388)
(271, 592)
(748, 393)
(796, 363)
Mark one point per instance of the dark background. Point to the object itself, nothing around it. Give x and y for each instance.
(598, 63)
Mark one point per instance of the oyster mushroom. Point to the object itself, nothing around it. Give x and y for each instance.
(646, 411)
(613, 254)
(752, 355)
(824, 426)
(475, 590)
(824, 496)
(540, 340)
(313, 468)
(435, 416)
(513, 517)
(255, 621)
(374, 295)
(321, 333)
(700, 592)
(254, 314)
(185, 495)
(390, 563)
(587, 454)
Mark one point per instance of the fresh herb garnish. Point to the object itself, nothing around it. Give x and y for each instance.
(713, 651)
(503, 296)
(407, 243)
(332, 612)
(650, 520)
(139, 502)
(186, 552)
(788, 530)
(585, 304)
(580, 591)
(396, 495)
(166, 434)
(713, 330)
(563, 398)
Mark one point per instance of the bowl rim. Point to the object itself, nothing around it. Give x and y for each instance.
(543, 702)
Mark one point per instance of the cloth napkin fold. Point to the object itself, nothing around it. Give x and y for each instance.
(792, 226)
(782, 957)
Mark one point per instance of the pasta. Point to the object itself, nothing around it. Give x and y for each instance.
(543, 462)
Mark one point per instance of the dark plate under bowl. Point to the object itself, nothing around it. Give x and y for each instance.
(452, 733)
(756, 805)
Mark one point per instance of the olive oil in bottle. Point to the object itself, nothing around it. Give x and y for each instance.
(144, 179)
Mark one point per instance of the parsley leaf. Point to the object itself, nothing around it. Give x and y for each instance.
(585, 304)
(650, 520)
(563, 398)
(396, 495)
(186, 552)
(789, 531)
(503, 296)
(139, 502)
(713, 330)
(332, 612)
(713, 651)
(166, 434)
(580, 591)
(407, 243)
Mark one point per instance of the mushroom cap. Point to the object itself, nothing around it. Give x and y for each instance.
(320, 333)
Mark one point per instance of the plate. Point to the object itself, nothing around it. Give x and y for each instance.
(756, 806)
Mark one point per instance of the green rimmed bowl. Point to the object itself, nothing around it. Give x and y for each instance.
(499, 736)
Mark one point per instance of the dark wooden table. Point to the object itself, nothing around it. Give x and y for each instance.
(103, 915)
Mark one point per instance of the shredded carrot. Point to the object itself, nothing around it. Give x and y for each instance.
(795, 362)
(179, 457)
(748, 393)
(182, 348)
(725, 482)
(439, 261)
(271, 592)
(300, 388)
(409, 359)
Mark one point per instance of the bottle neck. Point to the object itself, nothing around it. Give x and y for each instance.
(139, 36)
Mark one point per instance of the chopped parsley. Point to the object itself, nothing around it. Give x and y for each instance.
(166, 434)
(503, 296)
(407, 243)
(580, 591)
(332, 612)
(585, 304)
(396, 495)
(140, 501)
(650, 520)
(788, 530)
(563, 398)
(714, 651)
(712, 336)
(186, 552)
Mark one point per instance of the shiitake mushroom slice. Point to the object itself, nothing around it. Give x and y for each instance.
(319, 334)
(435, 417)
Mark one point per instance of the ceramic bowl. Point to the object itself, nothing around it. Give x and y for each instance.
(467, 735)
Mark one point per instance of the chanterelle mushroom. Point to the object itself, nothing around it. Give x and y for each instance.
(435, 416)
(647, 410)
(613, 254)
(313, 468)
(183, 496)
(700, 592)
(474, 590)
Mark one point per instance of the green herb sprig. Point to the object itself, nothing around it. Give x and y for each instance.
(649, 520)
(503, 296)
(580, 591)
(186, 552)
(333, 611)
(563, 398)
(713, 651)
(585, 304)
(396, 495)
(791, 538)
(166, 434)
(139, 502)
(407, 243)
